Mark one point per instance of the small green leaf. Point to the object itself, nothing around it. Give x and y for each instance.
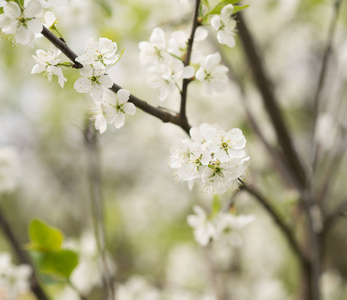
(217, 9)
(206, 3)
(239, 8)
(59, 263)
(44, 237)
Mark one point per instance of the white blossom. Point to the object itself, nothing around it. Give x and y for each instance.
(49, 19)
(213, 74)
(46, 61)
(112, 109)
(100, 54)
(204, 231)
(21, 23)
(94, 81)
(2, 3)
(151, 52)
(50, 3)
(137, 288)
(9, 167)
(225, 25)
(14, 280)
(166, 76)
(178, 42)
(212, 156)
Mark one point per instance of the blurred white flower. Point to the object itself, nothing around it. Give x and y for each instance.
(112, 109)
(46, 61)
(213, 157)
(87, 274)
(178, 42)
(137, 288)
(213, 74)
(225, 25)
(49, 3)
(14, 280)
(94, 81)
(2, 3)
(21, 23)
(151, 52)
(100, 55)
(166, 76)
(204, 231)
(9, 169)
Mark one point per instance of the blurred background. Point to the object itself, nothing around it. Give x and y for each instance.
(149, 241)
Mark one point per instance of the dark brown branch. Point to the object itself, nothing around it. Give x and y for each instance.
(183, 115)
(270, 102)
(152, 110)
(22, 257)
(288, 234)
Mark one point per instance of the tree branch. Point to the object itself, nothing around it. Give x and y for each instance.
(183, 116)
(288, 234)
(271, 104)
(152, 110)
(22, 257)
(333, 216)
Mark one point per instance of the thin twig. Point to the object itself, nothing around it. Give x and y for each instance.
(22, 257)
(325, 65)
(270, 102)
(183, 116)
(152, 110)
(94, 175)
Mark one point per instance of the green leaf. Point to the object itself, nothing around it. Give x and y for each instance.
(239, 8)
(206, 3)
(217, 9)
(44, 237)
(59, 263)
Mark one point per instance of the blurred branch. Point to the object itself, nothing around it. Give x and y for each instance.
(288, 234)
(183, 115)
(22, 257)
(324, 69)
(276, 157)
(94, 175)
(271, 104)
(333, 217)
(152, 110)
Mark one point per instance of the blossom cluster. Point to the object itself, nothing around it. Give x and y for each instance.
(14, 280)
(220, 227)
(212, 156)
(166, 63)
(107, 107)
(23, 24)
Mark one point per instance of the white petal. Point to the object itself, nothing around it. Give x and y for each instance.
(129, 108)
(119, 120)
(216, 22)
(33, 9)
(123, 96)
(23, 35)
(97, 92)
(12, 10)
(35, 26)
(83, 85)
(106, 81)
(200, 74)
